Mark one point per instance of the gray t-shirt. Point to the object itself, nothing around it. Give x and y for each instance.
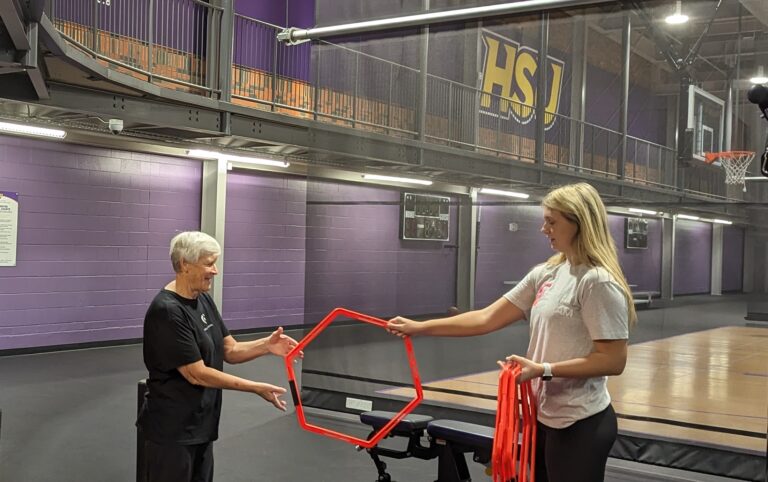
(568, 307)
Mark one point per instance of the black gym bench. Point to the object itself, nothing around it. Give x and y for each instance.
(448, 440)
(643, 297)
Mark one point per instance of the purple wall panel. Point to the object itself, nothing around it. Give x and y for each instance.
(693, 257)
(641, 267)
(733, 258)
(504, 255)
(646, 118)
(507, 256)
(271, 12)
(287, 13)
(94, 226)
(356, 259)
(264, 245)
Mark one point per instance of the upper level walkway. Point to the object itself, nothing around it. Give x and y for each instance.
(195, 48)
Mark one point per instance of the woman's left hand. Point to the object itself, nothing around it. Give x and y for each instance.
(280, 344)
(530, 368)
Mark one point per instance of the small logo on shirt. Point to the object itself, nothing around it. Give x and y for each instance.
(203, 318)
(543, 289)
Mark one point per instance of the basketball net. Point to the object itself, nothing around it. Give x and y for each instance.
(735, 164)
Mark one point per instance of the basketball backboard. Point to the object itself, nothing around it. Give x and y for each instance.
(706, 115)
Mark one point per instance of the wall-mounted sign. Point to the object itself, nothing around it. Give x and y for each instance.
(425, 217)
(636, 233)
(9, 227)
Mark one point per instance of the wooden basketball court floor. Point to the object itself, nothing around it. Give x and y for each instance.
(710, 387)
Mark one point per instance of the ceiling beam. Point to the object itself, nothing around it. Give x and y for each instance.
(11, 15)
(32, 65)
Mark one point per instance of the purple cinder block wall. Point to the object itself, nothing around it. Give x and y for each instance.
(693, 257)
(356, 259)
(641, 267)
(264, 250)
(733, 258)
(94, 228)
(505, 255)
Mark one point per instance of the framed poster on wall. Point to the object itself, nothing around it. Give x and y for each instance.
(636, 233)
(9, 227)
(424, 217)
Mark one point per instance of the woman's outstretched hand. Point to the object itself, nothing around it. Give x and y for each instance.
(402, 327)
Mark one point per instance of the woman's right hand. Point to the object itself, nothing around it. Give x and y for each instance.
(403, 327)
(271, 393)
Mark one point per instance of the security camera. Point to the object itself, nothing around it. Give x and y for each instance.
(115, 126)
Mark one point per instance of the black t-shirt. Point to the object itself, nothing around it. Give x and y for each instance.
(179, 331)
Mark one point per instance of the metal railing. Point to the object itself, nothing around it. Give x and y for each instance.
(167, 41)
(160, 41)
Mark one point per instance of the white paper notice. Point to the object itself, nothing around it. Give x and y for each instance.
(9, 223)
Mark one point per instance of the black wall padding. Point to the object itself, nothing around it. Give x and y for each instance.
(696, 458)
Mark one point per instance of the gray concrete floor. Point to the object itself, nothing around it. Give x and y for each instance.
(69, 415)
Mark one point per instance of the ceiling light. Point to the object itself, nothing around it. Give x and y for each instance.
(721, 221)
(499, 192)
(678, 17)
(294, 36)
(760, 78)
(685, 216)
(32, 130)
(642, 211)
(377, 177)
(202, 154)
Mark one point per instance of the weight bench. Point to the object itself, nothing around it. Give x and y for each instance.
(449, 440)
(643, 297)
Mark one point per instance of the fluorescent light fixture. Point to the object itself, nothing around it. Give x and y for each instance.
(642, 211)
(755, 178)
(406, 180)
(294, 35)
(31, 130)
(678, 17)
(202, 154)
(499, 192)
(685, 216)
(760, 78)
(721, 221)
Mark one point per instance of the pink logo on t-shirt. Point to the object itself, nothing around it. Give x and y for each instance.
(543, 289)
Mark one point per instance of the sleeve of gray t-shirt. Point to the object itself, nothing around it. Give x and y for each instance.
(604, 311)
(524, 293)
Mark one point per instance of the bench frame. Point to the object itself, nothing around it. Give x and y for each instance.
(451, 463)
(643, 297)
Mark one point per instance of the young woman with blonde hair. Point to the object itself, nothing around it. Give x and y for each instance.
(580, 308)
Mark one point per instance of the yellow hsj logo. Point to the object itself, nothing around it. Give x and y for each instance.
(509, 75)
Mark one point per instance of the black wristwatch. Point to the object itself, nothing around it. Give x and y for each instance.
(547, 375)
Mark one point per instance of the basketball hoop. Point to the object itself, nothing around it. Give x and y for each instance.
(735, 164)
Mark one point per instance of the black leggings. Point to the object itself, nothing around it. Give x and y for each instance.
(577, 453)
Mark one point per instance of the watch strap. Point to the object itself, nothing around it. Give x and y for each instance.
(547, 375)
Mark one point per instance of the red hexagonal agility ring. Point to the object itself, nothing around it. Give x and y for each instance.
(384, 431)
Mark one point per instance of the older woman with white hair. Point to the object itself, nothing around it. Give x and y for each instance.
(185, 346)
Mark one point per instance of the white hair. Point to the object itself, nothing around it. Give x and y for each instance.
(191, 246)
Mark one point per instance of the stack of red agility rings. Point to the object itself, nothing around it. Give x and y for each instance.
(515, 402)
